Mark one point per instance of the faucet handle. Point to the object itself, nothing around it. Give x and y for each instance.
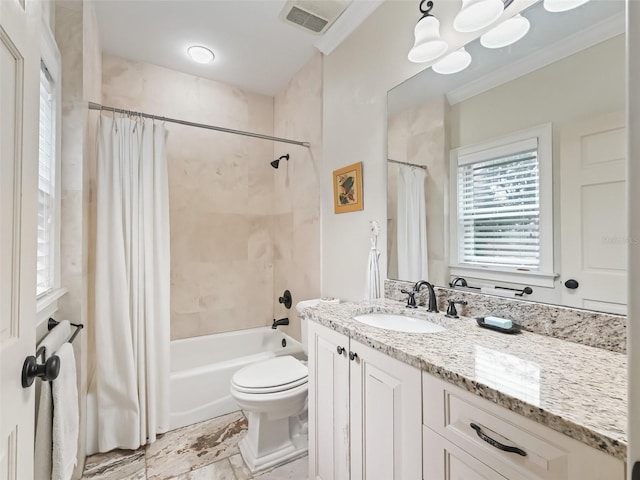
(451, 309)
(411, 300)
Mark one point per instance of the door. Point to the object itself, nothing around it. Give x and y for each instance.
(386, 417)
(594, 214)
(19, 95)
(328, 404)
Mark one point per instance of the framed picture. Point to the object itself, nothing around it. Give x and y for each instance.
(347, 188)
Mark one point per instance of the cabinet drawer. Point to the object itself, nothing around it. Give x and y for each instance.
(443, 460)
(482, 429)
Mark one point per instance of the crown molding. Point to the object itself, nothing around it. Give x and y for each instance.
(356, 13)
(597, 33)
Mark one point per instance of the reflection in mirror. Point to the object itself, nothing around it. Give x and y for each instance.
(511, 173)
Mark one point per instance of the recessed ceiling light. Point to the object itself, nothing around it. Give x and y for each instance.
(200, 54)
(453, 63)
(506, 33)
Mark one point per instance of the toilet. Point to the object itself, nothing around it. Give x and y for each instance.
(273, 393)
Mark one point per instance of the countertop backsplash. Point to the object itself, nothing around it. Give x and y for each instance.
(595, 329)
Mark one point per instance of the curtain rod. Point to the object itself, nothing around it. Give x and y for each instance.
(424, 167)
(97, 106)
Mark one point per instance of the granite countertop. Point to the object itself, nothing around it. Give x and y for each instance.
(577, 390)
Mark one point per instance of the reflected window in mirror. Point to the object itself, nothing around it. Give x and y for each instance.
(502, 200)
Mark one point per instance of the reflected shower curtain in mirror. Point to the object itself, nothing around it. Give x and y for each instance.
(412, 225)
(131, 379)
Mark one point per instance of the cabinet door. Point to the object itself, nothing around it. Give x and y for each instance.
(328, 404)
(386, 417)
(445, 461)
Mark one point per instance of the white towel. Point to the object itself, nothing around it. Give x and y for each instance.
(66, 418)
(44, 409)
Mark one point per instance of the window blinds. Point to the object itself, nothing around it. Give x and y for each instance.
(499, 207)
(46, 187)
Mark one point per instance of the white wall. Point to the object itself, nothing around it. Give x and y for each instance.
(357, 76)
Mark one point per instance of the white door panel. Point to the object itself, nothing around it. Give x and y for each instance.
(593, 209)
(386, 417)
(19, 96)
(328, 404)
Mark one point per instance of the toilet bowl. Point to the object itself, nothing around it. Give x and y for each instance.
(273, 393)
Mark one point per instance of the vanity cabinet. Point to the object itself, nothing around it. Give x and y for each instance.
(468, 437)
(365, 419)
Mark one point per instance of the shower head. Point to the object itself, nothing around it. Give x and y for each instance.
(276, 162)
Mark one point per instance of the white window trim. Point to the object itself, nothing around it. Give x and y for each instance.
(47, 303)
(543, 277)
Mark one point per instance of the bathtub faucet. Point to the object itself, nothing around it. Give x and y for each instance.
(277, 323)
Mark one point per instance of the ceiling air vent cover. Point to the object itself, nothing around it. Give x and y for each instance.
(313, 15)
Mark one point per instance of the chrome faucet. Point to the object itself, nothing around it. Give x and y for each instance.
(433, 301)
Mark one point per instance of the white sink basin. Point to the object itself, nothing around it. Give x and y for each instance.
(399, 323)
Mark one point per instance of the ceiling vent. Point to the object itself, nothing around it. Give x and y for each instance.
(314, 16)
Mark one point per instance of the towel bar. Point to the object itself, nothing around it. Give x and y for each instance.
(49, 369)
(461, 282)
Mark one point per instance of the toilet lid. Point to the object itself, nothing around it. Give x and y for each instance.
(273, 375)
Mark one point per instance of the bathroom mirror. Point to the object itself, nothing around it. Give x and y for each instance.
(562, 85)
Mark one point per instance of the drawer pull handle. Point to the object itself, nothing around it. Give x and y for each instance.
(353, 355)
(495, 443)
(340, 350)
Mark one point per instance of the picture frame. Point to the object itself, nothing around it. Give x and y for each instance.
(347, 189)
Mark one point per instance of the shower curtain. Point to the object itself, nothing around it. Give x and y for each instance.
(412, 225)
(131, 283)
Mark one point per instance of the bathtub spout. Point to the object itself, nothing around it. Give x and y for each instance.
(277, 323)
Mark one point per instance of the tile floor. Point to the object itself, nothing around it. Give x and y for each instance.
(204, 451)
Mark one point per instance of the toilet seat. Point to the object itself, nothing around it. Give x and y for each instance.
(277, 374)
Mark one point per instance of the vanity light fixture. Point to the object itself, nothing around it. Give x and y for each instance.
(428, 45)
(477, 14)
(562, 5)
(506, 33)
(453, 63)
(200, 54)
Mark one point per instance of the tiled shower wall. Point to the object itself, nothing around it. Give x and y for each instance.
(76, 35)
(298, 115)
(231, 228)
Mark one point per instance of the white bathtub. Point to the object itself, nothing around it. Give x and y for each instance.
(202, 367)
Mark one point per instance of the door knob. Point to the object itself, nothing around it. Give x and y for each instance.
(31, 369)
(353, 355)
(340, 350)
(571, 284)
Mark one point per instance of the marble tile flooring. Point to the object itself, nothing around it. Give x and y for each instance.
(204, 451)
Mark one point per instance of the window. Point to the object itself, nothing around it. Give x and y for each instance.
(503, 225)
(47, 194)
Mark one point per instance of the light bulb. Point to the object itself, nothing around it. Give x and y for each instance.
(477, 14)
(562, 5)
(506, 33)
(428, 45)
(453, 63)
